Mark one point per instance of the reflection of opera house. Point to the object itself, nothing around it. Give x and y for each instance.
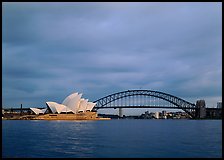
(72, 108)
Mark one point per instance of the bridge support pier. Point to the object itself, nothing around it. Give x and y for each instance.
(200, 111)
(21, 109)
(120, 112)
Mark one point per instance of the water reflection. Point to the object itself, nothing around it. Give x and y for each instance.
(72, 138)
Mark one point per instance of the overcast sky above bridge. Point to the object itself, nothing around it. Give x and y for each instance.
(50, 50)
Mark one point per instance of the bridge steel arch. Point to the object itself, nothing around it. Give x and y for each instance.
(186, 106)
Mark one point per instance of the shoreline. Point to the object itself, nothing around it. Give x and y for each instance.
(78, 116)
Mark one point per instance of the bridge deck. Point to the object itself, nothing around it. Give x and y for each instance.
(144, 107)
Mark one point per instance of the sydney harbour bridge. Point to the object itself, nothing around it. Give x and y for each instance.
(146, 99)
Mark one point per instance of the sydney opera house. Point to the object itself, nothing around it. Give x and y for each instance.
(72, 108)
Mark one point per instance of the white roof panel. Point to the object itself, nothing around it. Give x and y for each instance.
(83, 105)
(66, 109)
(68, 98)
(74, 103)
(60, 107)
(44, 110)
(52, 106)
(36, 110)
(90, 106)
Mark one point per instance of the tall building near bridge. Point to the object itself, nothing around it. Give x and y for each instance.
(219, 104)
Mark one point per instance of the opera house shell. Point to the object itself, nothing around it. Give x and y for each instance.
(71, 104)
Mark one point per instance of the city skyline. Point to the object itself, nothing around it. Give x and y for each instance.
(51, 50)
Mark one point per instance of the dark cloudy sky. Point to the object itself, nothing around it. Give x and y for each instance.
(50, 50)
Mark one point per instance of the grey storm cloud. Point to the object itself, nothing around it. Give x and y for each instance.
(53, 49)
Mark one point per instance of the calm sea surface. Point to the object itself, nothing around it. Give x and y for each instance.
(112, 138)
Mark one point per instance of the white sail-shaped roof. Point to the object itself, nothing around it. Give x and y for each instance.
(60, 107)
(44, 110)
(83, 105)
(52, 106)
(38, 111)
(73, 104)
(66, 109)
(90, 106)
(68, 98)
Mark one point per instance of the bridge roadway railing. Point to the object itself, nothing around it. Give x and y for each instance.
(178, 102)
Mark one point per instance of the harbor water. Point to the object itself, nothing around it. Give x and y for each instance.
(129, 138)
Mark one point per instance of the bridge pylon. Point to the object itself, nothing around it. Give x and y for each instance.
(200, 111)
(120, 114)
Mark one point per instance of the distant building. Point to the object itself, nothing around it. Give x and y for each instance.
(147, 115)
(214, 113)
(164, 114)
(219, 104)
(157, 115)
